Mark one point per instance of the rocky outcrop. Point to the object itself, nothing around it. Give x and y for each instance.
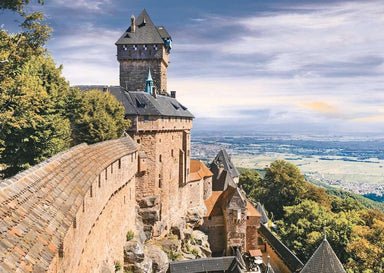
(159, 258)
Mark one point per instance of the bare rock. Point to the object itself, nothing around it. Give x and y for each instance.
(144, 267)
(150, 215)
(199, 237)
(189, 256)
(133, 252)
(150, 201)
(195, 217)
(159, 258)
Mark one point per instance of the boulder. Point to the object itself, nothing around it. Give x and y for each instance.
(144, 267)
(149, 201)
(133, 252)
(199, 237)
(159, 258)
(150, 215)
(194, 217)
(189, 256)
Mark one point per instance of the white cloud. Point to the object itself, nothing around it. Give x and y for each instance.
(97, 6)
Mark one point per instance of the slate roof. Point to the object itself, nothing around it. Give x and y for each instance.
(145, 33)
(219, 264)
(264, 217)
(223, 158)
(144, 104)
(38, 206)
(280, 249)
(324, 260)
(198, 170)
(222, 179)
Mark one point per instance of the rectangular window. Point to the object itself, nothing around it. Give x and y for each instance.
(106, 174)
(112, 168)
(119, 163)
(160, 160)
(146, 118)
(159, 180)
(99, 180)
(172, 152)
(90, 191)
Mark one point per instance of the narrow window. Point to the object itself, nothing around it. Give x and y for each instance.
(159, 140)
(74, 222)
(172, 152)
(83, 206)
(61, 251)
(106, 174)
(159, 180)
(138, 141)
(160, 158)
(99, 180)
(119, 164)
(112, 168)
(90, 191)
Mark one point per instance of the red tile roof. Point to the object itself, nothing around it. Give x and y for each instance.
(198, 171)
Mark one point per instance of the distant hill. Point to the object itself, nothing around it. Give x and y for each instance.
(368, 202)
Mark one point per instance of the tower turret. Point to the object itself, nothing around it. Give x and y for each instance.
(143, 46)
(149, 83)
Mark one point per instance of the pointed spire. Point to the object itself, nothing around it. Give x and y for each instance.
(149, 83)
(324, 260)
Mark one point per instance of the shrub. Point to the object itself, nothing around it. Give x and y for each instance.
(117, 266)
(130, 235)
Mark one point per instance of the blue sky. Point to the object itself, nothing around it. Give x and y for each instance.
(288, 66)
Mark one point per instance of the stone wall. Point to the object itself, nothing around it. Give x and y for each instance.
(162, 175)
(214, 228)
(134, 65)
(71, 212)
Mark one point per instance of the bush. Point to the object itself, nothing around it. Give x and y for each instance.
(117, 266)
(130, 235)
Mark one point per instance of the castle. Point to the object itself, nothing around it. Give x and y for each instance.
(72, 212)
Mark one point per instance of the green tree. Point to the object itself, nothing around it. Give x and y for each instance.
(249, 180)
(303, 224)
(97, 116)
(282, 185)
(367, 244)
(32, 123)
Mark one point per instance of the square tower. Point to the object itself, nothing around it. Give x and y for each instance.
(143, 46)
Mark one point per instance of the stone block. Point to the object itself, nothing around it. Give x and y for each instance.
(133, 252)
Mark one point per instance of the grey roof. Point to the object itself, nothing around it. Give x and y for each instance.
(223, 158)
(324, 260)
(219, 264)
(222, 179)
(145, 33)
(280, 249)
(144, 104)
(264, 217)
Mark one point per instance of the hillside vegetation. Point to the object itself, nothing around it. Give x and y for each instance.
(40, 115)
(354, 225)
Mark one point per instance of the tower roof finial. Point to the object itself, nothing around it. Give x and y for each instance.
(325, 234)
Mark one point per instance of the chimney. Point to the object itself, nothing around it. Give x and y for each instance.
(173, 94)
(133, 23)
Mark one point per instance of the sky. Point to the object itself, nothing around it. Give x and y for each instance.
(277, 66)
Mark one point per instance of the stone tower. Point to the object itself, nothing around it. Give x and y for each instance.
(143, 46)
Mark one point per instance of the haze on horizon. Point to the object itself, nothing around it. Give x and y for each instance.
(285, 66)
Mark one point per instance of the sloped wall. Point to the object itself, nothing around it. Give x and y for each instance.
(71, 212)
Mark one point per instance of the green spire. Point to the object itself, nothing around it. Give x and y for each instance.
(149, 83)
